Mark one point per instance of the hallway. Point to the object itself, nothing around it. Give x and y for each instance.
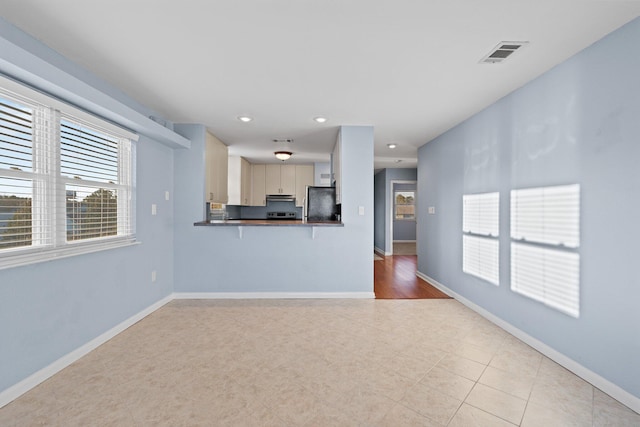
(395, 278)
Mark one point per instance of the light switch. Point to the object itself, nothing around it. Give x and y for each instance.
(154, 209)
(432, 210)
(360, 210)
(166, 195)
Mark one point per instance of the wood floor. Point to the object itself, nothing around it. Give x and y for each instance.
(395, 278)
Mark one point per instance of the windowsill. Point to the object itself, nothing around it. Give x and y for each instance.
(34, 256)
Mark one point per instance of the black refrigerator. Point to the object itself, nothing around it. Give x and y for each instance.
(321, 204)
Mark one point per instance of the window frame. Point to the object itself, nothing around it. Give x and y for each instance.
(49, 185)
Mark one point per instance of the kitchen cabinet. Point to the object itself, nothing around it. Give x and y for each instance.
(258, 189)
(304, 177)
(239, 185)
(216, 170)
(280, 179)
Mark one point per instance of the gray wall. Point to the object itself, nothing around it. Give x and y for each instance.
(380, 202)
(275, 259)
(578, 123)
(50, 309)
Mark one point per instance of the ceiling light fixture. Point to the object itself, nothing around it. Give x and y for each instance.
(398, 161)
(391, 146)
(320, 119)
(283, 155)
(245, 119)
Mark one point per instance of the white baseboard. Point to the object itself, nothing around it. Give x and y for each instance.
(17, 390)
(404, 241)
(586, 374)
(381, 252)
(272, 295)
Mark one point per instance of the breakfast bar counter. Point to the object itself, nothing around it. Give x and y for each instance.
(268, 223)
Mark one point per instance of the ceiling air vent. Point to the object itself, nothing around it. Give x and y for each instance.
(502, 51)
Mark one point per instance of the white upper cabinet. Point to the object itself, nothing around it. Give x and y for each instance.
(258, 189)
(280, 179)
(239, 181)
(217, 166)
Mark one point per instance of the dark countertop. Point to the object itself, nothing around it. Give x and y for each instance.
(269, 223)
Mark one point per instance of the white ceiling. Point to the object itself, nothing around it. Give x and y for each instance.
(407, 67)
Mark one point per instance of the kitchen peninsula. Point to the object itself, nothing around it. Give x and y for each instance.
(239, 260)
(269, 223)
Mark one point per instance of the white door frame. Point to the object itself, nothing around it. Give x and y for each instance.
(389, 238)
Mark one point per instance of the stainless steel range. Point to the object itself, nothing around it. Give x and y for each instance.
(281, 215)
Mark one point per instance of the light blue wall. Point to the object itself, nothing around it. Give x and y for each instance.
(275, 259)
(49, 309)
(578, 123)
(380, 201)
(320, 168)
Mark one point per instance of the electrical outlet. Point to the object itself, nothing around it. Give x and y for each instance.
(360, 210)
(154, 209)
(153, 276)
(166, 195)
(432, 210)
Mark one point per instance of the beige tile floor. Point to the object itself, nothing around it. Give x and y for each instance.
(315, 363)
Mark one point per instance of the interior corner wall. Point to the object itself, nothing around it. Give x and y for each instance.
(578, 123)
(49, 309)
(380, 203)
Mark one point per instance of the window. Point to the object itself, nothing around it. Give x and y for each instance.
(405, 205)
(545, 237)
(66, 179)
(480, 227)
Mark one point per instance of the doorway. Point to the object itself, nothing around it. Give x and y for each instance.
(402, 220)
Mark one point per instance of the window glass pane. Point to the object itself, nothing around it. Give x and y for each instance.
(16, 136)
(91, 212)
(87, 154)
(405, 205)
(15, 212)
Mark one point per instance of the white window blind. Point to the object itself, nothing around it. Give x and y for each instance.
(65, 178)
(480, 245)
(545, 237)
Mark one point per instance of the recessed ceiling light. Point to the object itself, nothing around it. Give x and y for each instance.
(398, 161)
(320, 119)
(245, 119)
(392, 146)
